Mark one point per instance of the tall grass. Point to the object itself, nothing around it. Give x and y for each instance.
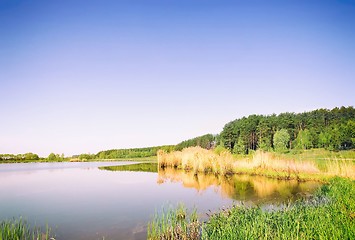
(330, 214)
(175, 224)
(196, 159)
(19, 229)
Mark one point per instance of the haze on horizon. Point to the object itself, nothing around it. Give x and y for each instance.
(84, 76)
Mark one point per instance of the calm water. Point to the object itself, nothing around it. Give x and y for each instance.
(80, 201)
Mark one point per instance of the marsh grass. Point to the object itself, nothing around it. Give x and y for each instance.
(197, 160)
(174, 224)
(19, 229)
(329, 214)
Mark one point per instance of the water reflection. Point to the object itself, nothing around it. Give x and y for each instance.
(135, 167)
(257, 189)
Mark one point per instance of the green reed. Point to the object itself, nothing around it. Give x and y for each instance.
(19, 229)
(175, 224)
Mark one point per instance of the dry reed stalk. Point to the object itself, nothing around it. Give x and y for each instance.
(343, 168)
(197, 159)
(267, 161)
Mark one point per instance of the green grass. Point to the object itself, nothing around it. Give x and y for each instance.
(19, 229)
(330, 214)
(175, 224)
(319, 155)
(140, 167)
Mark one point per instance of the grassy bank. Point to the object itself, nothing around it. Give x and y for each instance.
(196, 159)
(19, 229)
(140, 167)
(330, 214)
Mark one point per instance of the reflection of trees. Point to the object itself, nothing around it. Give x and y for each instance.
(238, 187)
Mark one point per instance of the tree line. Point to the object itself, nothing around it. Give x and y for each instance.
(131, 152)
(19, 157)
(322, 128)
(206, 141)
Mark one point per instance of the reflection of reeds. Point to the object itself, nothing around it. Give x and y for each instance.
(196, 159)
(235, 186)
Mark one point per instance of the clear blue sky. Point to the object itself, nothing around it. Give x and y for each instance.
(85, 76)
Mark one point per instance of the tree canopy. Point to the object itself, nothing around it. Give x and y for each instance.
(332, 129)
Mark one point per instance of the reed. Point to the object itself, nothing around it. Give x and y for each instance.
(19, 229)
(174, 224)
(197, 160)
(341, 167)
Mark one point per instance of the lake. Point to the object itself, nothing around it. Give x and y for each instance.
(83, 201)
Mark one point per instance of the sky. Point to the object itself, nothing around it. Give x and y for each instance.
(85, 76)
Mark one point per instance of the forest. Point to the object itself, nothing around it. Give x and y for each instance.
(322, 128)
(206, 141)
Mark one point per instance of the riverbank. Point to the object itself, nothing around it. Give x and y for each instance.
(329, 214)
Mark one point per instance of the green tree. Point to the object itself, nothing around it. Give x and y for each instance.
(324, 139)
(347, 135)
(264, 133)
(52, 157)
(264, 144)
(30, 156)
(229, 136)
(303, 140)
(240, 147)
(86, 156)
(281, 140)
(351, 129)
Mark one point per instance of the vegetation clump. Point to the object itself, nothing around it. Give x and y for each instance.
(140, 167)
(197, 160)
(175, 224)
(19, 229)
